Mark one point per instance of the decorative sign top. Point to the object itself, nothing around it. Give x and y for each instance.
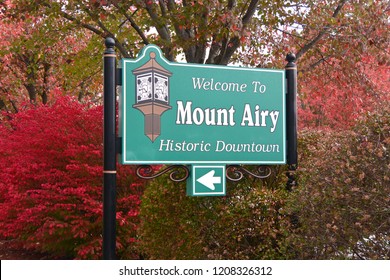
(192, 113)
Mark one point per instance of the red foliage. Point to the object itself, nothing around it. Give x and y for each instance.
(51, 181)
(338, 96)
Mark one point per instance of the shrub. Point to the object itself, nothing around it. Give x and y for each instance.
(343, 199)
(51, 182)
(249, 223)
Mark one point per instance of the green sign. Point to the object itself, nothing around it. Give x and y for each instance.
(206, 180)
(180, 113)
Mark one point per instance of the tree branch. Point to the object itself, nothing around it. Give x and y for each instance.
(316, 39)
(249, 12)
(234, 42)
(161, 28)
(132, 23)
(104, 34)
(108, 33)
(163, 7)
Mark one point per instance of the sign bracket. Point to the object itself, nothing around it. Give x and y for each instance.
(236, 173)
(118, 145)
(118, 77)
(177, 173)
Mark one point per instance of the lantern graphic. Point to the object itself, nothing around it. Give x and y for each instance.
(152, 94)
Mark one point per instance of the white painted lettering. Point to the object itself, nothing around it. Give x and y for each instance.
(274, 117)
(183, 115)
(247, 116)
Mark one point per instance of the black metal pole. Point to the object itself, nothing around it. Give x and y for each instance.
(291, 119)
(109, 166)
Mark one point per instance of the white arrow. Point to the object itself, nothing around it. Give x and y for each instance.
(209, 180)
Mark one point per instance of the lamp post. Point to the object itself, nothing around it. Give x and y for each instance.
(152, 94)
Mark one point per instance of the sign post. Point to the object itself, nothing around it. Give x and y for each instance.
(109, 153)
(291, 116)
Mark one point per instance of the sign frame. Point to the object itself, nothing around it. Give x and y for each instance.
(125, 127)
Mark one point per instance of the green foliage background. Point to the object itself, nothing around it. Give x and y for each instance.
(344, 194)
(249, 223)
(340, 210)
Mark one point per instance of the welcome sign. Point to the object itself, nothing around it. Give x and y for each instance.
(176, 113)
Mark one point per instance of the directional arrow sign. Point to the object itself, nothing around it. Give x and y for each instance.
(207, 180)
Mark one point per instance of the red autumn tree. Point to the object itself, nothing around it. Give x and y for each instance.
(40, 55)
(345, 73)
(51, 182)
(330, 98)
